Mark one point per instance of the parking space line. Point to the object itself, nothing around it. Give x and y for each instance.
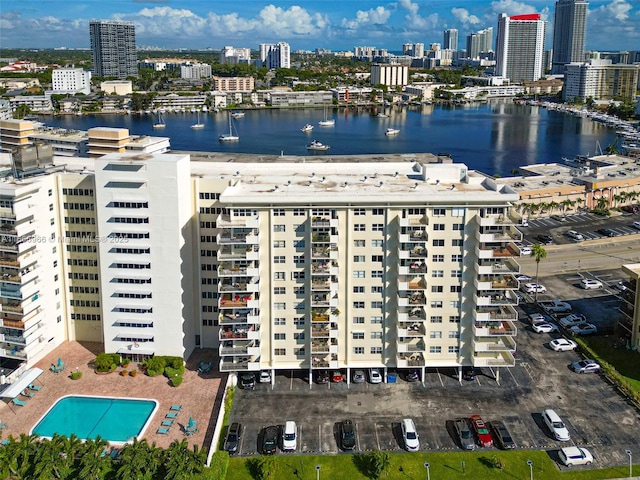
(377, 438)
(357, 437)
(320, 438)
(300, 435)
(291, 383)
(439, 377)
(514, 378)
(244, 428)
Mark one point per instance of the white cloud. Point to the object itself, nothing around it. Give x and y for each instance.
(375, 16)
(618, 9)
(462, 15)
(416, 23)
(511, 7)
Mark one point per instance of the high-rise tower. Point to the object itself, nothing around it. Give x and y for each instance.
(520, 47)
(450, 39)
(568, 33)
(113, 48)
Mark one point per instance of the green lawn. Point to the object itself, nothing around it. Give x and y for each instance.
(408, 466)
(626, 362)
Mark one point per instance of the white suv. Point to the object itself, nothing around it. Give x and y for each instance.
(575, 456)
(410, 435)
(589, 283)
(289, 436)
(557, 428)
(572, 234)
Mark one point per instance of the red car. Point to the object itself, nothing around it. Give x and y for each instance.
(337, 376)
(482, 432)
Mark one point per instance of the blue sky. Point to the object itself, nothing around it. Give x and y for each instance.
(304, 24)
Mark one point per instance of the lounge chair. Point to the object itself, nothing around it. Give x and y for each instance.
(17, 402)
(26, 393)
(167, 423)
(3, 425)
(35, 387)
(163, 431)
(115, 454)
(205, 367)
(171, 415)
(176, 407)
(190, 431)
(54, 369)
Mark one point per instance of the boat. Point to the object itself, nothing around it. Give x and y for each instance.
(307, 128)
(391, 131)
(382, 115)
(229, 137)
(316, 145)
(237, 114)
(198, 125)
(160, 123)
(327, 122)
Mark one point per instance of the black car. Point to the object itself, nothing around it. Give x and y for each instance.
(502, 435)
(545, 239)
(248, 381)
(322, 377)
(468, 373)
(607, 232)
(233, 438)
(412, 376)
(347, 435)
(269, 440)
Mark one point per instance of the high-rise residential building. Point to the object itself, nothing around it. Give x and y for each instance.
(600, 80)
(235, 55)
(194, 71)
(415, 50)
(480, 42)
(520, 47)
(71, 81)
(113, 48)
(391, 75)
(450, 39)
(275, 55)
(569, 27)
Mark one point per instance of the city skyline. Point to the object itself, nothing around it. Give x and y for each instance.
(304, 25)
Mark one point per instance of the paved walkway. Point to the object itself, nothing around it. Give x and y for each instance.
(200, 395)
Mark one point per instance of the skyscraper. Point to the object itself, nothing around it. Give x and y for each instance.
(568, 33)
(520, 47)
(481, 41)
(450, 39)
(113, 48)
(275, 55)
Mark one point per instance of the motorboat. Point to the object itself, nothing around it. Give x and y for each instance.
(307, 128)
(316, 145)
(391, 131)
(229, 137)
(382, 115)
(237, 114)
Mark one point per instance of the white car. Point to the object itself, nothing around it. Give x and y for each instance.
(375, 376)
(289, 436)
(410, 435)
(636, 225)
(544, 327)
(264, 377)
(556, 426)
(525, 251)
(575, 456)
(589, 283)
(584, 329)
(523, 278)
(577, 236)
(562, 345)
(533, 288)
(571, 320)
(538, 318)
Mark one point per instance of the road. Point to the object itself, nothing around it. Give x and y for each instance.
(604, 254)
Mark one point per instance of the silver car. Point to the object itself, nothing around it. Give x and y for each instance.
(465, 436)
(585, 366)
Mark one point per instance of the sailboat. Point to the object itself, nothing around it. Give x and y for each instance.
(160, 123)
(327, 122)
(198, 125)
(229, 137)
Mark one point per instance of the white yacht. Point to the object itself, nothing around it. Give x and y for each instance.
(391, 132)
(316, 145)
(327, 122)
(198, 125)
(307, 128)
(237, 114)
(229, 137)
(160, 123)
(382, 115)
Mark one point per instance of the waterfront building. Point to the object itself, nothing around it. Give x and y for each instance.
(15, 133)
(113, 48)
(275, 55)
(450, 40)
(520, 47)
(281, 98)
(36, 103)
(233, 84)
(195, 71)
(71, 81)
(600, 80)
(173, 101)
(234, 56)
(389, 75)
(569, 30)
(370, 53)
(119, 87)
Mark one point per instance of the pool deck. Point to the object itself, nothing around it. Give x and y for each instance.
(199, 395)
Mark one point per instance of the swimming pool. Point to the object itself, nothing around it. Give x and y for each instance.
(112, 418)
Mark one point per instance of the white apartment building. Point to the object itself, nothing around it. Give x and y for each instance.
(195, 71)
(600, 80)
(71, 81)
(520, 47)
(389, 75)
(235, 55)
(280, 265)
(275, 55)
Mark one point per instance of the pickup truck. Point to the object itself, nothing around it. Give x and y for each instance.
(555, 306)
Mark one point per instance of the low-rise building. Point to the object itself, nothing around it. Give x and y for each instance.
(71, 81)
(119, 87)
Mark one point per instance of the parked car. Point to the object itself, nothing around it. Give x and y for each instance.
(571, 320)
(523, 278)
(347, 435)
(533, 288)
(358, 376)
(337, 376)
(585, 366)
(575, 456)
(636, 225)
(247, 381)
(322, 377)
(269, 440)
(482, 432)
(629, 208)
(525, 251)
(375, 376)
(584, 329)
(562, 345)
(468, 373)
(265, 376)
(607, 232)
(464, 434)
(545, 239)
(502, 435)
(559, 218)
(538, 318)
(590, 283)
(555, 425)
(573, 235)
(412, 376)
(410, 435)
(289, 436)
(232, 440)
(544, 327)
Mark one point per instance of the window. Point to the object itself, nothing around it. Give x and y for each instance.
(377, 211)
(456, 258)
(436, 304)
(358, 304)
(279, 306)
(278, 244)
(376, 273)
(298, 336)
(376, 258)
(439, 212)
(456, 242)
(358, 350)
(279, 290)
(435, 349)
(358, 320)
(280, 351)
(279, 228)
(358, 289)
(377, 243)
(437, 273)
(358, 259)
(458, 227)
(376, 350)
(297, 275)
(436, 288)
(377, 227)
(299, 290)
(435, 334)
(299, 212)
(278, 212)
(298, 259)
(279, 336)
(455, 289)
(438, 226)
(358, 335)
(376, 304)
(278, 275)
(454, 334)
(376, 335)
(358, 227)
(457, 212)
(376, 289)
(299, 322)
(456, 273)
(300, 352)
(454, 319)
(358, 274)
(279, 259)
(437, 258)
(298, 243)
(279, 321)
(376, 320)
(359, 243)
(436, 319)
(453, 349)
(358, 212)
(454, 304)
(437, 242)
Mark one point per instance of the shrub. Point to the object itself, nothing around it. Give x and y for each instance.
(103, 362)
(176, 381)
(175, 362)
(124, 373)
(219, 464)
(155, 366)
(133, 372)
(76, 375)
(125, 362)
(498, 462)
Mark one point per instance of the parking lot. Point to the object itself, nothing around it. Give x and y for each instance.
(597, 417)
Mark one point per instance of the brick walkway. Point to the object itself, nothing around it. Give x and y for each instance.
(200, 395)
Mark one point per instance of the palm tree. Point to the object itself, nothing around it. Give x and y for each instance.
(538, 252)
(180, 463)
(566, 204)
(602, 203)
(94, 464)
(139, 460)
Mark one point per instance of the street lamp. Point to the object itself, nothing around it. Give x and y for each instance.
(628, 452)
(317, 472)
(426, 465)
(530, 463)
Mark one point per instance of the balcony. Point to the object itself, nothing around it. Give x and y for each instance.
(239, 237)
(239, 253)
(240, 348)
(417, 298)
(502, 282)
(320, 284)
(324, 268)
(242, 285)
(324, 346)
(239, 365)
(410, 345)
(324, 238)
(234, 301)
(239, 317)
(487, 267)
(9, 261)
(411, 330)
(412, 251)
(411, 314)
(497, 359)
(414, 220)
(324, 222)
(13, 353)
(489, 235)
(231, 333)
(506, 312)
(411, 267)
(494, 329)
(229, 269)
(330, 252)
(494, 344)
(404, 360)
(225, 220)
(496, 298)
(409, 235)
(489, 219)
(325, 361)
(497, 252)
(15, 294)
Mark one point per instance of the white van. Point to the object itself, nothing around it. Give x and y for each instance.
(289, 436)
(556, 426)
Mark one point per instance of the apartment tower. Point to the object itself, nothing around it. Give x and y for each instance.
(569, 29)
(450, 41)
(520, 47)
(113, 48)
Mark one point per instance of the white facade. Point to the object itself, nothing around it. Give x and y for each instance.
(389, 75)
(450, 40)
(275, 55)
(195, 71)
(520, 47)
(119, 87)
(600, 80)
(71, 81)
(235, 55)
